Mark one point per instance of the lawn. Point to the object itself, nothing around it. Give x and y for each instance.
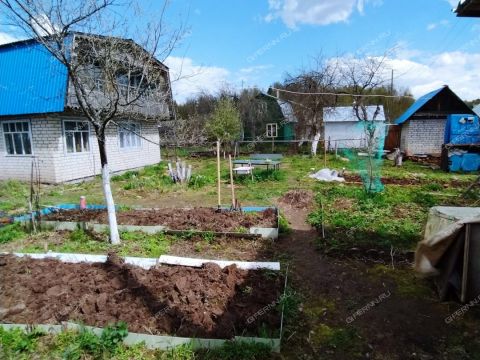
(350, 217)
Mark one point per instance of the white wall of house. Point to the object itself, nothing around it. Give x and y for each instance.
(423, 136)
(348, 134)
(59, 165)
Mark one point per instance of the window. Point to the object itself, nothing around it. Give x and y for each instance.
(128, 135)
(17, 137)
(76, 136)
(272, 130)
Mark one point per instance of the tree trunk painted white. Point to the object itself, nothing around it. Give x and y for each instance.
(316, 138)
(112, 217)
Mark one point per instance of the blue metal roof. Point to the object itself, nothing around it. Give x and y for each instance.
(417, 105)
(32, 81)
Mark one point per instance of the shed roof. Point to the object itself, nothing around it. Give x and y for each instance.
(468, 8)
(417, 105)
(347, 113)
(447, 101)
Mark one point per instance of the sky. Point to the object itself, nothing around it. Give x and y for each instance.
(254, 43)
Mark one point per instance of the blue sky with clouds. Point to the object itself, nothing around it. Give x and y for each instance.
(256, 42)
(248, 43)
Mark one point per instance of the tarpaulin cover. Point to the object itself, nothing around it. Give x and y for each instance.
(443, 226)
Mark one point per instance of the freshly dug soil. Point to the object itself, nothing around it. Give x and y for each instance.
(353, 178)
(206, 219)
(207, 302)
(297, 199)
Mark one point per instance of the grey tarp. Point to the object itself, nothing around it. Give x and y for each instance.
(444, 238)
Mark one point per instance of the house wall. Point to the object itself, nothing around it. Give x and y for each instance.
(423, 136)
(56, 165)
(347, 134)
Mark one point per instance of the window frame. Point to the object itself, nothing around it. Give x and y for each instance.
(28, 121)
(138, 130)
(64, 130)
(272, 126)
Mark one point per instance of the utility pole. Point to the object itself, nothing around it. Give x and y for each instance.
(391, 84)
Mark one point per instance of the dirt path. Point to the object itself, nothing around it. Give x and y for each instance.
(352, 310)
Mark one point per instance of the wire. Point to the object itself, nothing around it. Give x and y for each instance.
(342, 94)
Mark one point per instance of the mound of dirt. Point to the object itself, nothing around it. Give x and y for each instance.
(206, 219)
(298, 199)
(205, 302)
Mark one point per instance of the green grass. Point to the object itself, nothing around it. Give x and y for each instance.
(233, 350)
(394, 217)
(13, 195)
(84, 344)
(12, 232)
(133, 244)
(344, 341)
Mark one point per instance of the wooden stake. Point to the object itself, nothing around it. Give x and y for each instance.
(466, 263)
(231, 180)
(218, 175)
(325, 152)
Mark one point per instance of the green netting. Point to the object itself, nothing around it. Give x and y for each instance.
(367, 159)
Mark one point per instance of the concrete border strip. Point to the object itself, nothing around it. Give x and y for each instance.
(193, 262)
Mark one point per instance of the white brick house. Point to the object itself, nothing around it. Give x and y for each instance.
(423, 124)
(39, 120)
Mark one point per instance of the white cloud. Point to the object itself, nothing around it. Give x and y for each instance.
(315, 12)
(6, 38)
(460, 70)
(441, 23)
(189, 79)
(453, 3)
(255, 69)
(43, 26)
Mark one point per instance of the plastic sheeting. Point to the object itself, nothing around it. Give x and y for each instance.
(442, 229)
(327, 175)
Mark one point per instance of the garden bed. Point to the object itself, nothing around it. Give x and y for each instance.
(256, 221)
(206, 302)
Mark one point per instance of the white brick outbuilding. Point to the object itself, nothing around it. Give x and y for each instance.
(423, 124)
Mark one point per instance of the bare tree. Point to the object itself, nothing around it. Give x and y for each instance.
(305, 91)
(110, 78)
(362, 78)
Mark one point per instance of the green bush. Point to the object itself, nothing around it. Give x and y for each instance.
(11, 232)
(199, 181)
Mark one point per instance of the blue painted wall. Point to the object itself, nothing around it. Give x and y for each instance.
(32, 81)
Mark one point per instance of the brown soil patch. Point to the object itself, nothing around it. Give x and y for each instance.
(297, 199)
(224, 247)
(206, 219)
(182, 301)
(354, 178)
(343, 204)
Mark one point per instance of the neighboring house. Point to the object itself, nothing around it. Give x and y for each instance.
(278, 119)
(40, 118)
(344, 130)
(423, 124)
